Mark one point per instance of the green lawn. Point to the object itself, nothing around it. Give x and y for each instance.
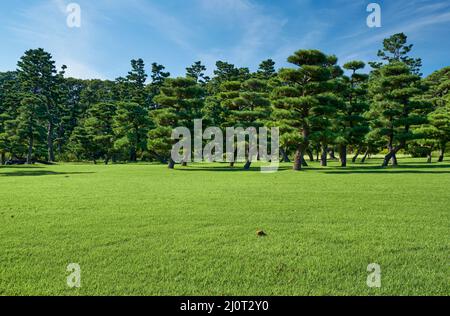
(146, 230)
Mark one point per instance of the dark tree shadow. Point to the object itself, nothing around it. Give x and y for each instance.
(359, 168)
(39, 173)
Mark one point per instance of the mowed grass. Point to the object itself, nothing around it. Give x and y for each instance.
(146, 230)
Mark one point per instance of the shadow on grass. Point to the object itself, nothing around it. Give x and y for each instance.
(39, 173)
(405, 168)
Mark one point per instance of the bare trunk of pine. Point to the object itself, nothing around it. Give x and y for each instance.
(284, 156)
(51, 154)
(343, 155)
(442, 152)
(429, 157)
(355, 157)
(30, 151)
(363, 160)
(324, 157)
(298, 158)
(171, 163)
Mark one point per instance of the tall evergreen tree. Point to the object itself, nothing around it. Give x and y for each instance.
(396, 49)
(302, 101)
(31, 112)
(38, 76)
(95, 136)
(266, 70)
(131, 125)
(180, 102)
(197, 72)
(352, 126)
(136, 79)
(439, 119)
(396, 91)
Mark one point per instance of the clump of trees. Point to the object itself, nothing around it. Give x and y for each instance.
(320, 107)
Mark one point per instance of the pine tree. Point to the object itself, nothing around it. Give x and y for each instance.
(95, 136)
(396, 91)
(396, 49)
(302, 102)
(197, 72)
(439, 94)
(180, 102)
(352, 126)
(158, 76)
(38, 76)
(131, 125)
(266, 70)
(136, 79)
(31, 111)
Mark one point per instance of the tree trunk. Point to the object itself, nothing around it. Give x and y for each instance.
(284, 156)
(30, 151)
(298, 158)
(355, 157)
(304, 163)
(429, 157)
(51, 154)
(2, 158)
(394, 160)
(171, 163)
(343, 155)
(310, 155)
(133, 155)
(442, 152)
(184, 164)
(391, 156)
(331, 152)
(106, 160)
(323, 158)
(247, 165)
(363, 160)
(317, 152)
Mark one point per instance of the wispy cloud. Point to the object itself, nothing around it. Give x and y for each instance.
(44, 25)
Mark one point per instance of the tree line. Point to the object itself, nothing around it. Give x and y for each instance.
(323, 110)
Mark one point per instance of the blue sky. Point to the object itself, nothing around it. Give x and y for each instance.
(176, 33)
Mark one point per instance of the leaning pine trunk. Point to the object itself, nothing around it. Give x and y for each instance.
(304, 163)
(357, 154)
(363, 160)
(442, 152)
(394, 160)
(429, 157)
(284, 156)
(332, 155)
(171, 163)
(310, 155)
(391, 156)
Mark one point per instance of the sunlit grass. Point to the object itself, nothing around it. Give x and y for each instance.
(146, 230)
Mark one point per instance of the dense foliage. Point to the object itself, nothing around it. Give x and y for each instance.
(318, 106)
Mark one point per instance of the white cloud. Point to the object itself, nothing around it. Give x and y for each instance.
(44, 25)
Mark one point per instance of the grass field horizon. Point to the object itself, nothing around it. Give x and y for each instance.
(141, 229)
